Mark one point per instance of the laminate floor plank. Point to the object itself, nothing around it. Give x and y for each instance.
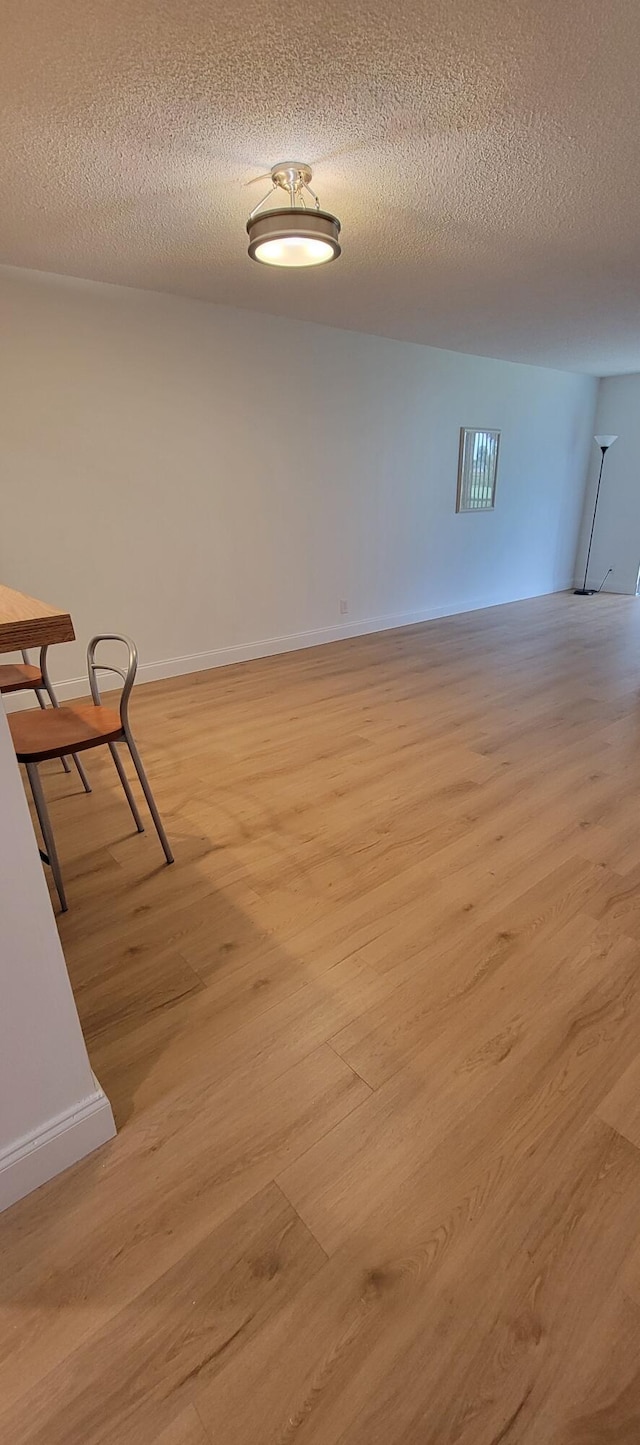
(373, 1049)
(137, 1208)
(122, 1380)
(442, 1320)
(551, 1073)
(186, 1429)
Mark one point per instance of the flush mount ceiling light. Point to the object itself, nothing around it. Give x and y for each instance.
(293, 235)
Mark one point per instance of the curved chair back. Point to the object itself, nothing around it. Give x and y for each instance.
(128, 675)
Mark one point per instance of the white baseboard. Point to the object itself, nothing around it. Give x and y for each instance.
(62, 1141)
(271, 646)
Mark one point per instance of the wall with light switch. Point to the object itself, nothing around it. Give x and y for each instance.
(222, 484)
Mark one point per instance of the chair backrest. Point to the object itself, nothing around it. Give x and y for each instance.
(128, 675)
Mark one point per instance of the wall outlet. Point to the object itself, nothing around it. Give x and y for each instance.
(344, 606)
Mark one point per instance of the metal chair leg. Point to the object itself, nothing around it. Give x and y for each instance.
(83, 777)
(65, 761)
(47, 831)
(125, 783)
(137, 763)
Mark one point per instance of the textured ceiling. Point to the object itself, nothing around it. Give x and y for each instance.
(481, 154)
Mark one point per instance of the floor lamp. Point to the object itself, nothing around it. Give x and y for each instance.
(604, 443)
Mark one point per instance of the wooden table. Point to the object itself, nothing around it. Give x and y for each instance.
(25, 622)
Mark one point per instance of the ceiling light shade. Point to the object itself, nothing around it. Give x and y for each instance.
(605, 442)
(293, 235)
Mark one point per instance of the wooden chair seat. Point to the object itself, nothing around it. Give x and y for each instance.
(52, 734)
(56, 731)
(14, 676)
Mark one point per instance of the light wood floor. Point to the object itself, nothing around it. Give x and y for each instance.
(373, 1046)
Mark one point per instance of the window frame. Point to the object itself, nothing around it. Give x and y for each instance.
(464, 475)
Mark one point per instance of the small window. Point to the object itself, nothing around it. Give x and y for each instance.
(477, 468)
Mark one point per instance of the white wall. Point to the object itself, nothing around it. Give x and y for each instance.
(210, 479)
(616, 540)
(52, 1111)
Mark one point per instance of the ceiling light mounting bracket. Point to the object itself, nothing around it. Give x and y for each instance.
(292, 177)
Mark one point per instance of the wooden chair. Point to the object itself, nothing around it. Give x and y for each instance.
(73, 729)
(23, 676)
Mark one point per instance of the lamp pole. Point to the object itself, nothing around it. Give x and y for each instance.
(604, 442)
